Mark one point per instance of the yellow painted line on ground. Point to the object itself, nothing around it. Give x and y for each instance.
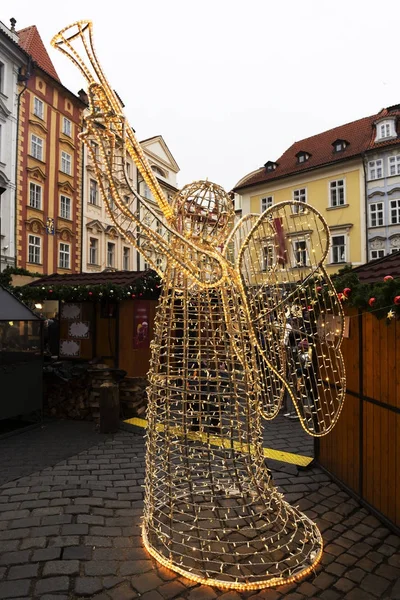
(215, 440)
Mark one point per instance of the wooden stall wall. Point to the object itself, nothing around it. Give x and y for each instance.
(135, 360)
(363, 451)
(77, 330)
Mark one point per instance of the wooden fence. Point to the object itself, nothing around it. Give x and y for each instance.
(363, 450)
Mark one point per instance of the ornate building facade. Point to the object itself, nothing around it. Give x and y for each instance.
(351, 175)
(103, 247)
(13, 61)
(49, 184)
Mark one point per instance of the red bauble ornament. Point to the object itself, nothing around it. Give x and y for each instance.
(371, 301)
(347, 292)
(319, 288)
(133, 295)
(90, 293)
(388, 278)
(397, 300)
(50, 291)
(340, 296)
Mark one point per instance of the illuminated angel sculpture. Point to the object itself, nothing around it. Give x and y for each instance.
(221, 359)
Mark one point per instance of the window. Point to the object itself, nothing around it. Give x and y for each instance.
(300, 253)
(66, 161)
(339, 145)
(110, 254)
(266, 203)
(376, 214)
(338, 249)
(34, 246)
(36, 147)
(394, 249)
(147, 192)
(35, 196)
(126, 259)
(65, 207)
(375, 169)
(93, 251)
(128, 170)
(38, 108)
(126, 199)
(394, 165)
(385, 129)
(268, 258)
(374, 254)
(300, 196)
(93, 192)
(64, 256)
(336, 189)
(394, 212)
(67, 127)
(302, 157)
(1, 77)
(95, 149)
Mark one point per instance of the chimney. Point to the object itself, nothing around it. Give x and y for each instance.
(13, 23)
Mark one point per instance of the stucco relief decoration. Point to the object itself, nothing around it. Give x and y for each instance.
(377, 243)
(70, 311)
(395, 241)
(220, 362)
(79, 329)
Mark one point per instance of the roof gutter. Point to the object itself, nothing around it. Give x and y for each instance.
(364, 162)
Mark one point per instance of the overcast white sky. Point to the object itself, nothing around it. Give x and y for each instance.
(230, 84)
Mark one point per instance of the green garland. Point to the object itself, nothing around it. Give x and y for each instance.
(6, 275)
(360, 295)
(146, 288)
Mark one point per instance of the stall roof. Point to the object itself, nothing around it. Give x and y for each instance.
(115, 277)
(376, 270)
(12, 309)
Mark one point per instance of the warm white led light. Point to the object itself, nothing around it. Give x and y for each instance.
(241, 327)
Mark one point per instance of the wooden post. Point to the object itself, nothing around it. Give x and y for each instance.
(109, 407)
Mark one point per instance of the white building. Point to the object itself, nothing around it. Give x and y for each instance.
(12, 62)
(103, 247)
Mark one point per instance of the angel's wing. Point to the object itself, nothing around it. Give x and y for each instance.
(296, 314)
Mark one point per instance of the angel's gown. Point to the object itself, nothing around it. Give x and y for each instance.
(212, 511)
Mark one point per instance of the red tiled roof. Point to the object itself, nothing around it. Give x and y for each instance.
(359, 135)
(376, 270)
(115, 277)
(31, 42)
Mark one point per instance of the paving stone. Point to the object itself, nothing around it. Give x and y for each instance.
(146, 582)
(135, 567)
(375, 585)
(77, 552)
(46, 554)
(61, 567)
(203, 592)
(344, 585)
(23, 571)
(357, 594)
(123, 592)
(388, 572)
(13, 589)
(15, 558)
(62, 541)
(174, 588)
(86, 586)
(75, 529)
(308, 590)
(323, 581)
(230, 596)
(52, 584)
(355, 575)
(386, 550)
(152, 595)
(100, 567)
(329, 595)
(110, 582)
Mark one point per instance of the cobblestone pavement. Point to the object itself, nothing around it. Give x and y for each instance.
(287, 435)
(50, 442)
(72, 531)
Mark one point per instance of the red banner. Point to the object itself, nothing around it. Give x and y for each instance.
(280, 241)
(141, 318)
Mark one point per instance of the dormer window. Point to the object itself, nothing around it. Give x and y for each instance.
(302, 156)
(339, 145)
(385, 130)
(270, 166)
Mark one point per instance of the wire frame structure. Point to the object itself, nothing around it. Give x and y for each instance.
(247, 318)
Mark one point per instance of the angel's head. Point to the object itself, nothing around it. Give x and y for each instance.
(203, 211)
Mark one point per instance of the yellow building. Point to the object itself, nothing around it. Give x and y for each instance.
(326, 171)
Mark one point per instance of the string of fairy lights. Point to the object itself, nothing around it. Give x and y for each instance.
(231, 345)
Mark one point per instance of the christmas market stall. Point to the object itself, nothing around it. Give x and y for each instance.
(363, 450)
(21, 358)
(105, 319)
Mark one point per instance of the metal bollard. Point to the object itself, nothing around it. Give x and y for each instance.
(109, 407)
